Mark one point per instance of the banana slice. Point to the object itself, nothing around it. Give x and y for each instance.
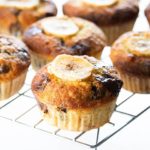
(71, 68)
(59, 27)
(20, 4)
(102, 3)
(139, 46)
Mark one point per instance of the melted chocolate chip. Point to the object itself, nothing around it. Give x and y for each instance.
(97, 93)
(110, 83)
(42, 83)
(4, 69)
(62, 42)
(80, 48)
(48, 14)
(62, 109)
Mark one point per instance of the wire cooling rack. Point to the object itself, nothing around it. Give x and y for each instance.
(22, 108)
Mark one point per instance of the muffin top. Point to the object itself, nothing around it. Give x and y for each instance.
(147, 12)
(14, 57)
(131, 53)
(19, 14)
(75, 82)
(103, 12)
(64, 35)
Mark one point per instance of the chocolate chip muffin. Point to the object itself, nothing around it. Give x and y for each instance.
(52, 36)
(76, 92)
(14, 63)
(131, 56)
(17, 15)
(115, 17)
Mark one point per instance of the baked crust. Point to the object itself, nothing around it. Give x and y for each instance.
(123, 11)
(89, 40)
(101, 87)
(147, 12)
(128, 60)
(14, 58)
(13, 19)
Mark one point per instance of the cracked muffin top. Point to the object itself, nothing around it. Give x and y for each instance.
(76, 82)
(14, 57)
(64, 35)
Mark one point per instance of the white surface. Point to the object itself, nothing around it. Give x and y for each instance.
(136, 136)
(15, 136)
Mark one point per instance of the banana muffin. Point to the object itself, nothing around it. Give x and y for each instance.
(52, 36)
(14, 63)
(17, 15)
(114, 17)
(131, 56)
(76, 92)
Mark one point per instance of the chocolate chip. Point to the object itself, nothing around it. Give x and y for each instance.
(112, 84)
(48, 14)
(4, 69)
(80, 48)
(97, 92)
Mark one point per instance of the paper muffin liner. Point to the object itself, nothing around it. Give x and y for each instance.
(112, 32)
(38, 61)
(81, 119)
(9, 88)
(136, 84)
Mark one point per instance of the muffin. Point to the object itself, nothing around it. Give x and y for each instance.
(14, 62)
(17, 15)
(147, 13)
(115, 17)
(131, 56)
(76, 92)
(52, 36)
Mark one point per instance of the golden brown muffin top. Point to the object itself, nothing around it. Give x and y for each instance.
(147, 12)
(14, 58)
(131, 53)
(118, 11)
(77, 90)
(19, 14)
(64, 35)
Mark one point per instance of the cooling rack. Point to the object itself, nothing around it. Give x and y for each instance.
(23, 109)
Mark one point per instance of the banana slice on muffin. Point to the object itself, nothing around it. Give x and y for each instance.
(71, 68)
(60, 27)
(139, 46)
(20, 4)
(76, 92)
(103, 3)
